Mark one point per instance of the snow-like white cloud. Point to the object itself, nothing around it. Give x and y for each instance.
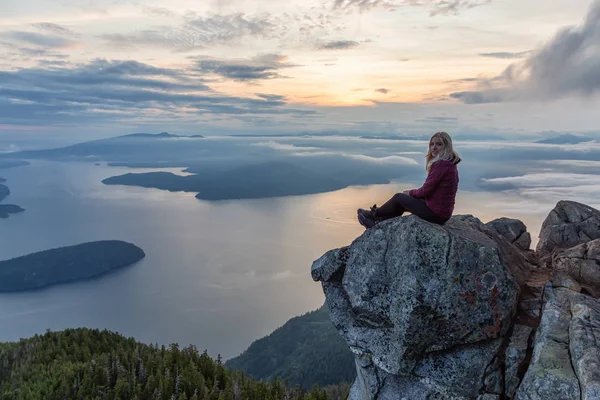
(548, 180)
(387, 160)
(284, 146)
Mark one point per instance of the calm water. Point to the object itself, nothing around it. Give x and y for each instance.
(216, 274)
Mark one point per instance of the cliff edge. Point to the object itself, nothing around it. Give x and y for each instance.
(467, 310)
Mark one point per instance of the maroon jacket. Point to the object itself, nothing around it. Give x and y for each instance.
(439, 189)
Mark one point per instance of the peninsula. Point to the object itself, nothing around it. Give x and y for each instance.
(7, 209)
(66, 264)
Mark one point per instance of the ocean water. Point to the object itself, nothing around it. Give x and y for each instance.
(216, 274)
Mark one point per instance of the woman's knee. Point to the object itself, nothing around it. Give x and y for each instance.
(401, 198)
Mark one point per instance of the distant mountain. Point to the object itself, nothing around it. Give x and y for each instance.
(270, 179)
(66, 264)
(565, 138)
(305, 351)
(131, 147)
(162, 135)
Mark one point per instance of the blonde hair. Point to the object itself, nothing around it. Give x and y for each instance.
(447, 154)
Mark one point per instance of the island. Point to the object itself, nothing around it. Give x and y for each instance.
(269, 179)
(566, 138)
(66, 264)
(7, 209)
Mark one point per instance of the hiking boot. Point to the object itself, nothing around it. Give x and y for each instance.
(366, 222)
(369, 213)
(367, 218)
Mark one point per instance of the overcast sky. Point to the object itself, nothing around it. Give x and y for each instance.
(106, 67)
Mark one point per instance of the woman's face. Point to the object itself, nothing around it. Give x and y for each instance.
(436, 146)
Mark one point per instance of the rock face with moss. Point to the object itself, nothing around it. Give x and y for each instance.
(66, 264)
(467, 311)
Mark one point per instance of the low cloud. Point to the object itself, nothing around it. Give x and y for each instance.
(454, 7)
(339, 45)
(104, 91)
(445, 120)
(198, 32)
(547, 179)
(160, 11)
(55, 29)
(387, 160)
(435, 7)
(569, 64)
(573, 163)
(506, 55)
(257, 68)
(553, 186)
(50, 41)
(363, 5)
(284, 146)
(383, 90)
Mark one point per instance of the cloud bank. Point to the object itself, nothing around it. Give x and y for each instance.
(569, 64)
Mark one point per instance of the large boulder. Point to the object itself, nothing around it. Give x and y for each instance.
(522, 263)
(513, 230)
(425, 308)
(566, 356)
(581, 263)
(567, 225)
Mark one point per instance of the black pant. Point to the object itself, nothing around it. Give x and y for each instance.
(400, 202)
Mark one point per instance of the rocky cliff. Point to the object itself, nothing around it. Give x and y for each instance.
(467, 310)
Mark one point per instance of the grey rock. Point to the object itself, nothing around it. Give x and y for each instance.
(513, 230)
(567, 225)
(493, 377)
(584, 337)
(514, 358)
(550, 374)
(372, 383)
(523, 242)
(530, 302)
(414, 295)
(563, 280)
(455, 374)
(530, 307)
(581, 263)
(328, 264)
(521, 263)
(463, 368)
(488, 396)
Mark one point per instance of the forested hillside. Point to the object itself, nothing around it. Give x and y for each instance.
(92, 364)
(307, 350)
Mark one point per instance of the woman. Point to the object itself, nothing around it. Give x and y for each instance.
(434, 201)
